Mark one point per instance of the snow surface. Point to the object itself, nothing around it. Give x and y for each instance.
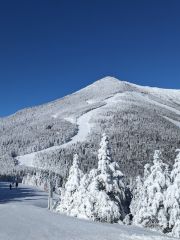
(24, 195)
(26, 159)
(24, 216)
(83, 129)
(84, 126)
(70, 119)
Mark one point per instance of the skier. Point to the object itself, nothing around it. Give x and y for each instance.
(16, 184)
(10, 186)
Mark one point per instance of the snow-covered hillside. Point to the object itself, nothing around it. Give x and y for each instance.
(84, 129)
(137, 119)
(24, 216)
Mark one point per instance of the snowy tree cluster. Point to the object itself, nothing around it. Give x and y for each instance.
(98, 194)
(60, 160)
(40, 179)
(135, 131)
(156, 197)
(102, 195)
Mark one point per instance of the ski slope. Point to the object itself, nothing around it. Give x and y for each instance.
(84, 127)
(24, 217)
(83, 131)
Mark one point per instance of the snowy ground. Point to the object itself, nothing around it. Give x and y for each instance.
(23, 216)
(24, 195)
(84, 127)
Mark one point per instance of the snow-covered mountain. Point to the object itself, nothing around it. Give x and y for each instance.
(137, 119)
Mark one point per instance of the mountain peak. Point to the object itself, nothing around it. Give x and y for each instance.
(109, 79)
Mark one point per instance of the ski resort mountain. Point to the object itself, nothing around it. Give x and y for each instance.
(137, 119)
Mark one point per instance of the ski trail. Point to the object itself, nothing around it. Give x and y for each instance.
(84, 126)
(173, 121)
(83, 129)
(147, 99)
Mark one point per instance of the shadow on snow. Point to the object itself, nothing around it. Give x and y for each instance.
(21, 194)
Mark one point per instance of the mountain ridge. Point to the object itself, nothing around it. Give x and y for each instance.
(107, 79)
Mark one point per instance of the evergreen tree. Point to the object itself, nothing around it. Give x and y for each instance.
(172, 198)
(82, 198)
(107, 190)
(151, 210)
(137, 193)
(67, 204)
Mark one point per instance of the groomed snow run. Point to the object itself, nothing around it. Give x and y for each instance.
(24, 216)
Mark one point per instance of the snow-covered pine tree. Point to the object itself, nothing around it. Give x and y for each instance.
(137, 191)
(82, 197)
(135, 202)
(151, 210)
(67, 204)
(172, 198)
(107, 190)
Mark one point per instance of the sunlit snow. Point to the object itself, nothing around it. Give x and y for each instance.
(24, 216)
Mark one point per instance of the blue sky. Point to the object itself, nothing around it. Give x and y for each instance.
(49, 49)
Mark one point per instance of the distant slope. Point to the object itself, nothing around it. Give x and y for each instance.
(138, 120)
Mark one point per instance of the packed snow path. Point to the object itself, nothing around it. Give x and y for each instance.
(24, 195)
(23, 215)
(84, 127)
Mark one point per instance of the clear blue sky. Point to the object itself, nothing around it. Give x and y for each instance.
(49, 49)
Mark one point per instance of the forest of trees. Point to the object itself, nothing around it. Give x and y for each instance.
(104, 194)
